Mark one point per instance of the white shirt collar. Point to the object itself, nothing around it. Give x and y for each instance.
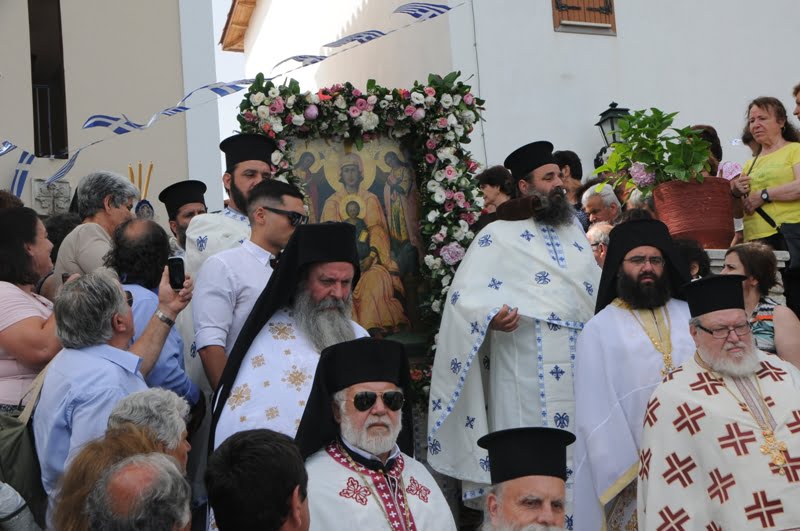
(261, 254)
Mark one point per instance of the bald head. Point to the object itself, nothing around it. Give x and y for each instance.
(139, 252)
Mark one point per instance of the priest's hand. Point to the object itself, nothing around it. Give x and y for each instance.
(506, 320)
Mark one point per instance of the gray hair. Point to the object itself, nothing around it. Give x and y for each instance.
(95, 187)
(84, 309)
(694, 321)
(598, 232)
(605, 191)
(159, 502)
(497, 490)
(160, 410)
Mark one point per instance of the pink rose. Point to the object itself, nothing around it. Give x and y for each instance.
(442, 123)
(438, 237)
(356, 93)
(448, 194)
(409, 110)
(429, 91)
(354, 111)
(459, 198)
(471, 165)
(418, 115)
(361, 103)
(311, 112)
(452, 253)
(250, 117)
(282, 144)
(372, 99)
(469, 217)
(274, 108)
(430, 158)
(450, 173)
(404, 93)
(430, 143)
(284, 164)
(469, 99)
(449, 206)
(467, 204)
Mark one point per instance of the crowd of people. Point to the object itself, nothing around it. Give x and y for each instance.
(239, 391)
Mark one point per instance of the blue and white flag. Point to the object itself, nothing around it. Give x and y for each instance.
(304, 59)
(221, 88)
(21, 173)
(118, 125)
(5, 147)
(172, 111)
(361, 37)
(64, 169)
(422, 10)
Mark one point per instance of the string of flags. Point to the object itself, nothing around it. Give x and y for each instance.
(121, 125)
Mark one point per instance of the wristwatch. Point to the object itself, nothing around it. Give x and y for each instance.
(765, 196)
(161, 316)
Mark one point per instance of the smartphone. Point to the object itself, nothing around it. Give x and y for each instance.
(177, 273)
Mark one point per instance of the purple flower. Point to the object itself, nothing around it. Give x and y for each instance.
(452, 253)
(418, 115)
(311, 112)
(641, 176)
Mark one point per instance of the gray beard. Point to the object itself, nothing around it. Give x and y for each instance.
(374, 444)
(324, 323)
(488, 526)
(747, 365)
(555, 209)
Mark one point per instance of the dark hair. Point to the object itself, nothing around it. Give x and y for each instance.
(9, 200)
(634, 214)
(774, 105)
(17, 228)
(497, 176)
(58, 227)
(692, 251)
(758, 262)
(250, 479)
(571, 159)
(271, 189)
(747, 136)
(796, 90)
(139, 252)
(709, 134)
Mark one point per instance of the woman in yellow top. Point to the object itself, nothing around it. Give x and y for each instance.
(771, 181)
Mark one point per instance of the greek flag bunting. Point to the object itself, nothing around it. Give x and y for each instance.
(118, 125)
(361, 37)
(422, 10)
(5, 147)
(64, 169)
(172, 111)
(21, 173)
(305, 60)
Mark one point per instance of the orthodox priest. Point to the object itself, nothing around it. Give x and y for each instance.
(247, 163)
(636, 338)
(721, 441)
(306, 306)
(517, 304)
(356, 434)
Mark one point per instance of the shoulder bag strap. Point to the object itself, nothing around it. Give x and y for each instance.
(34, 392)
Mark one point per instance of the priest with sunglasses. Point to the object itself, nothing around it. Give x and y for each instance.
(356, 437)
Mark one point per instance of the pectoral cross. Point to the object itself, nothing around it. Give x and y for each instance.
(775, 449)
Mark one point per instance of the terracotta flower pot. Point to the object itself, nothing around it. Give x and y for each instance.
(702, 212)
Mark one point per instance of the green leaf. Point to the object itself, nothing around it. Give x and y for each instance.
(370, 85)
(359, 142)
(260, 79)
(294, 86)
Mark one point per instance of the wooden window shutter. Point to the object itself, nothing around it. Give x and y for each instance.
(584, 16)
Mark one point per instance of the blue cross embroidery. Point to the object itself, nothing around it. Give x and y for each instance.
(542, 277)
(484, 463)
(526, 235)
(475, 327)
(486, 362)
(485, 240)
(436, 404)
(455, 365)
(454, 298)
(557, 372)
(568, 521)
(495, 284)
(569, 472)
(193, 350)
(578, 246)
(589, 288)
(561, 420)
(551, 325)
(202, 241)
(434, 447)
(470, 423)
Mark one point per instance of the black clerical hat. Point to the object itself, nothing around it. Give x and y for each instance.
(238, 148)
(182, 193)
(529, 157)
(521, 452)
(346, 364)
(715, 292)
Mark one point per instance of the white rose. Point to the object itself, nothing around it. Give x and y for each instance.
(429, 260)
(479, 202)
(437, 263)
(417, 98)
(445, 153)
(446, 100)
(446, 280)
(463, 224)
(452, 120)
(433, 186)
(450, 136)
(274, 92)
(276, 157)
(436, 306)
(470, 235)
(323, 126)
(430, 100)
(263, 112)
(433, 215)
(438, 175)
(383, 104)
(458, 235)
(298, 119)
(439, 196)
(458, 130)
(277, 127)
(342, 117)
(290, 101)
(339, 102)
(456, 99)
(257, 99)
(367, 120)
(388, 97)
(468, 117)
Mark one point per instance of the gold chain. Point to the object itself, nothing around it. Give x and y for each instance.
(662, 344)
(401, 488)
(772, 446)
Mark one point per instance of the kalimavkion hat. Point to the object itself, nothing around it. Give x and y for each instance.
(715, 292)
(239, 148)
(521, 452)
(182, 193)
(529, 157)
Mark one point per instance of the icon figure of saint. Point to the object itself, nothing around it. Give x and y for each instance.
(400, 198)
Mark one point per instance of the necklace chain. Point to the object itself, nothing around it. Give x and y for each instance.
(662, 344)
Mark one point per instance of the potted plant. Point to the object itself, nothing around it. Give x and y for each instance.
(672, 163)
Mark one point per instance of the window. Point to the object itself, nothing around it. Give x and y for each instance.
(584, 16)
(47, 73)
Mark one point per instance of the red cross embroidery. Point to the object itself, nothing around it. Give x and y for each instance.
(737, 439)
(688, 417)
(771, 371)
(650, 413)
(794, 426)
(791, 469)
(707, 383)
(678, 469)
(763, 509)
(713, 527)
(416, 489)
(355, 491)
(644, 463)
(672, 521)
(720, 485)
(769, 401)
(672, 374)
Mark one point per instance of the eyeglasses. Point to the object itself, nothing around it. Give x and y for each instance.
(364, 400)
(723, 332)
(295, 218)
(129, 298)
(655, 261)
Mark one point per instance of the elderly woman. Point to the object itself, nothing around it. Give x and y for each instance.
(771, 181)
(105, 200)
(776, 329)
(27, 326)
(497, 187)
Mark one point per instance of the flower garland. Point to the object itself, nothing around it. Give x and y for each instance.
(432, 120)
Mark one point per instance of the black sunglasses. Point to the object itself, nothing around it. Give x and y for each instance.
(364, 400)
(129, 298)
(295, 218)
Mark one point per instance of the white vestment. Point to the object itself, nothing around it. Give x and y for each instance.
(703, 464)
(343, 494)
(274, 380)
(209, 234)
(550, 275)
(617, 369)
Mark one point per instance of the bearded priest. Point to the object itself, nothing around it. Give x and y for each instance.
(357, 439)
(721, 442)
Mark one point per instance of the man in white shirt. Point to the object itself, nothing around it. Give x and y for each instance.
(229, 282)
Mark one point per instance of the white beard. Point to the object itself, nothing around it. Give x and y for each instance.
(733, 365)
(505, 526)
(374, 444)
(325, 323)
